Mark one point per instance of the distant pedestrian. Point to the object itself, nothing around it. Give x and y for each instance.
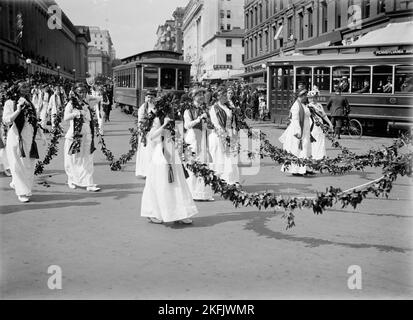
(340, 109)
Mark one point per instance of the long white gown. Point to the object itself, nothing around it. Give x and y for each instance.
(4, 163)
(22, 169)
(144, 153)
(79, 167)
(291, 143)
(43, 106)
(318, 148)
(161, 199)
(197, 185)
(54, 107)
(224, 161)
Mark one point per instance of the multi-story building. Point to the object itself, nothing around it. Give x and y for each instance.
(170, 35)
(101, 52)
(30, 30)
(213, 33)
(277, 27)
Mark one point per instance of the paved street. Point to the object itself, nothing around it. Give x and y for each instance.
(106, 250)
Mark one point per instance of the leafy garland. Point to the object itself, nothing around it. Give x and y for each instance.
(52, 151)
(402, 165)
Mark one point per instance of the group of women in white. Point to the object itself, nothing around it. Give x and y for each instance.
(21, 116)
(303, 138)
(170, 191)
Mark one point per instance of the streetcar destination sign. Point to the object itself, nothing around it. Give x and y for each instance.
(393, 52)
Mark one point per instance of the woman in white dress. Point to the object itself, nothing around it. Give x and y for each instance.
(144, 153)
(296, 139)
(21, 148)
(79, 142)
(4, 163)
(224, 159)
(166, 196)
(197, 138)
(318, 147)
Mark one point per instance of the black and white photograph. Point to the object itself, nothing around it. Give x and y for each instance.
(206, 150)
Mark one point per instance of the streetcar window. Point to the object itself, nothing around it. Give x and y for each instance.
(183, 78)
(361, 80)
(322, 78)
(404, 79)
(382, 79)
(303, 78)
(168, 78)
(341, 77)
(150, 78)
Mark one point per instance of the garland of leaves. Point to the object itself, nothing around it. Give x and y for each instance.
(52, 151)
(400, 166)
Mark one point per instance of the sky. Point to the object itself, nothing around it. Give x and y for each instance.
(132, 24)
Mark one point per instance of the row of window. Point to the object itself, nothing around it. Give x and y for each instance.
(167, 78)
(355, 9)
(388, 79)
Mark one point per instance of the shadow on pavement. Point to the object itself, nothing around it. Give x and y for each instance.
(9, 209)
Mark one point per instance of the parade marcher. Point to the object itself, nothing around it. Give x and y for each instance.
(4, 163)
(22, 152)
(79, 143)
(97, 93)
(35, 93)
(55, 105)
(197, 138)
(262, 108)
(224, 160)
(340, 110)
(296, 139)
(166, 196)
(43, 106)
(318, 147)
(143, 156)
(107, 106)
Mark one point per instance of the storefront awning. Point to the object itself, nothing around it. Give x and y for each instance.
(393, 33)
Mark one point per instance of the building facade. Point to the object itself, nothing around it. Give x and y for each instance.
(29, 30)
(278, 27)
(101, 52)
(213, 33)
(170, 35)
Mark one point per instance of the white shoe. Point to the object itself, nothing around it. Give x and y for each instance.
(93, 189)
(12, 185)
(185, 221)
(23, 199)
(7, 172)
(155, 221)
(71, 186)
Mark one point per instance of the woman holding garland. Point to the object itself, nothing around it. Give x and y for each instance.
(224, 160)
(296, 139)
(21, 148)
(197, 137)
(166, 196)
(143, 156)
(318, 147)
(79, 143)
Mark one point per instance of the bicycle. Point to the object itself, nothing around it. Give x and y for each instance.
(352, 127)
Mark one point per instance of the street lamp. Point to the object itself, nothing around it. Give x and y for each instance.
(228, 72)
(28, 63)
(58, 72)
(264, 67)
(74, 74)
